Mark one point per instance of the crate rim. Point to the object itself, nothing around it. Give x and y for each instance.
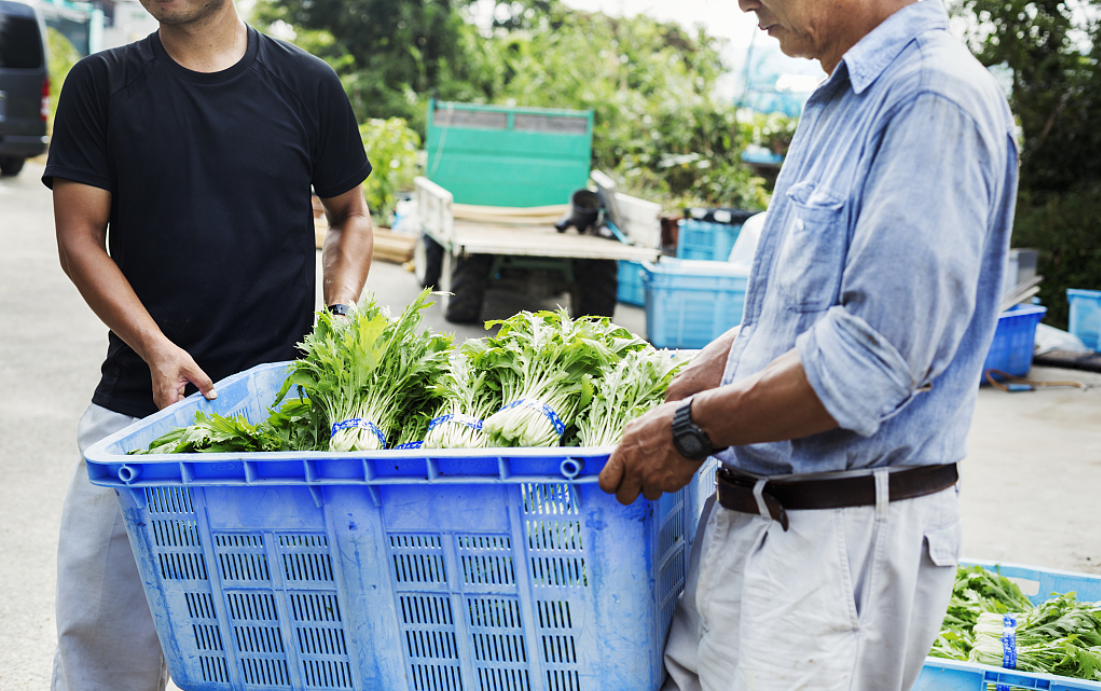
(579, 465)
(991, 673)
(1084, 293)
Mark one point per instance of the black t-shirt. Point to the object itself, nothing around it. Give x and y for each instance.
(210, 177)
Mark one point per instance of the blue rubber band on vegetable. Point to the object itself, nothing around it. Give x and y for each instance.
(458, 418)
(409, 445)
(536, 404)
(1009, 642)
(361, 424)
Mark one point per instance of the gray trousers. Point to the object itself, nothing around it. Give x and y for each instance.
(847, 599)
(105, 635)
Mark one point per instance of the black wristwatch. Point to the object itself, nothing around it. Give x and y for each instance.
(689, 440)
(339, 309)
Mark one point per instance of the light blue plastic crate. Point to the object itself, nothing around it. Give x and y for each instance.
(1014, 340)
(395, 570)
(691, 303)
(1039, 584)
(630, 290)
(706, 239)
(1085, 316)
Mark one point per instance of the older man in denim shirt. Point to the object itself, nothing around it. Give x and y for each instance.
(842, 403)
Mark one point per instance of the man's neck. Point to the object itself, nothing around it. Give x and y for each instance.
(211, 44)
(865, 17)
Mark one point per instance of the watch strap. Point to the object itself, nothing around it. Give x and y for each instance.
(339, 309)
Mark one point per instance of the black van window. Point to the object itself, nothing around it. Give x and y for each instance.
(20, 43)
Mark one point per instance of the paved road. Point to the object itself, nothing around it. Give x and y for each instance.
(1029, 485)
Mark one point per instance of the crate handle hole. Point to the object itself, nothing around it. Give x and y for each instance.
(571, 468)
(128, 474)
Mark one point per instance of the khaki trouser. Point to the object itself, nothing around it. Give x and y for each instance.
(846, 599)
(105, 635)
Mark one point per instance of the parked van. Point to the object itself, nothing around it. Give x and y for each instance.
(24, 85)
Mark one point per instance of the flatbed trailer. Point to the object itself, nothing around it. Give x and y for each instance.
(506, 166)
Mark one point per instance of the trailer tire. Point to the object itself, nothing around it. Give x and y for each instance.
(427, 261)
(595, 286)
(469, 280)
(11, 165)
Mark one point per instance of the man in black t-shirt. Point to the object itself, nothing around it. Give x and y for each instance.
(182, 168)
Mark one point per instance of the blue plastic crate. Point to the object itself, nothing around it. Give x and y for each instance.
(706, 240)
(691, 303)
(630, 290)
(395, 570)
(1039, 584)
(1014, 340)
(1085, 316)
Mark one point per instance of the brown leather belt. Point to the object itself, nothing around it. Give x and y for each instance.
(735, 490)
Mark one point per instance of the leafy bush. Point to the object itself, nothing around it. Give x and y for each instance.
(61, 57)
(1066, 229)
(392, 148)
(658, 125)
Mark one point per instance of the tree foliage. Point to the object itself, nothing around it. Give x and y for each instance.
(1053, 49)
(658, 125)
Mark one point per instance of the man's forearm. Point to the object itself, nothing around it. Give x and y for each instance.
(706, 369)
(776, 404)
(349, 245)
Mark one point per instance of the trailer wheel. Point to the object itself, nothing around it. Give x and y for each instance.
(427, 261)
(469, 280)
(11, 165)
(594, 289)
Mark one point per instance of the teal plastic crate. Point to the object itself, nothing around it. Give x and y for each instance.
(1085, 316)
(1039, 584)
(691, 303)
(504, 569)
(1014, 340)
(630, 290)
(709, 234)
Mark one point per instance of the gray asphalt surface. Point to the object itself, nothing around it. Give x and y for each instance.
(1030, 483)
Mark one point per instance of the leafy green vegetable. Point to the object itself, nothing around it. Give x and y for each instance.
(370, 373)
(470, 396)
(632, 388)
(1061, 636)
(294, 427)
(545, 363)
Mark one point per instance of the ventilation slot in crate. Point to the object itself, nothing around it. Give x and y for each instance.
(306, 558)
(497, 639)
(242, 558)
(558, 643)
(548, 499)
(214, 669)
(487, 561)
(260, 651)
(169, 500)
(555, 535)
(418, 559)
(177, 547)
(322, 646)
(428, 628)
(182, 566)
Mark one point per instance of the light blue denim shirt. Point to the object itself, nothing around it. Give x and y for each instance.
(883, 253)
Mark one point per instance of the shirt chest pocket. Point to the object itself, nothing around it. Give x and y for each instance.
(812, 254)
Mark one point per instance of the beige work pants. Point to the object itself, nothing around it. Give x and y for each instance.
(105, 635)
(847, 599)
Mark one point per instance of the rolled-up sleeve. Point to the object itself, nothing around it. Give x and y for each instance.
(919, 226)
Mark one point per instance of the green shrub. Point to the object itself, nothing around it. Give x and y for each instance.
(1066, 229)
(62, 56)
(392, 148)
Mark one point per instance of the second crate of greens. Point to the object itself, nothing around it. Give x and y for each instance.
(709, 233)
(691, 303)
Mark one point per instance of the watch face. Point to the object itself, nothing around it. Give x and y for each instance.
(689, 445)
